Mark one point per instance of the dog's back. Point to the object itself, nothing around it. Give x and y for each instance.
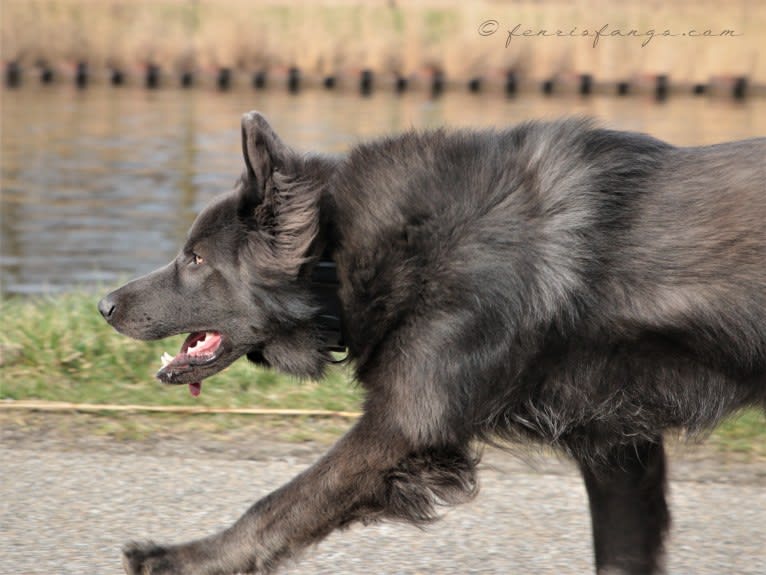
(695, 258)
(581, 245)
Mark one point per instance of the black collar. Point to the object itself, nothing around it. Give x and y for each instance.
(324, 285)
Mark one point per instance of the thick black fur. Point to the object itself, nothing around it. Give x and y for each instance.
(559, 282)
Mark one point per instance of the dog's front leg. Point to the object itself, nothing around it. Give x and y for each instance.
(348, 483)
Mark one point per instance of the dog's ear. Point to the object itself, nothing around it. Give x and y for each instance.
(278, 204)
(264, 152)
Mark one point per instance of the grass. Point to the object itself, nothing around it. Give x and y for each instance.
(744, 434)
(59, 349)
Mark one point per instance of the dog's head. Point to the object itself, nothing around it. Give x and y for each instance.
(239, 285)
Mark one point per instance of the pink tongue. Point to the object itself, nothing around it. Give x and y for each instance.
(195, 388)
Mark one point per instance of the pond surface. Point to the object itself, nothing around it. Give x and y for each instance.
(100, 185)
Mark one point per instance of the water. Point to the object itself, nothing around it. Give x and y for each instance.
(100, 185)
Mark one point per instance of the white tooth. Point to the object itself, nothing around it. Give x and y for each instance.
(166, 359)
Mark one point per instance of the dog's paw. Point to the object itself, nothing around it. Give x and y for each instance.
(149, 559)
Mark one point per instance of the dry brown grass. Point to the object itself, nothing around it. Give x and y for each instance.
(336, 36)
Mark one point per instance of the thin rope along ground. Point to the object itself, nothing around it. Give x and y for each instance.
(7, 405)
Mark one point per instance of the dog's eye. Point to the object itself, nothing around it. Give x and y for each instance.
(198, 260)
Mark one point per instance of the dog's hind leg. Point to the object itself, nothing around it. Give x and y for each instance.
(371, 473)
(628, 509)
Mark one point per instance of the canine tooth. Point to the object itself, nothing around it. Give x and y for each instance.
(166, 359)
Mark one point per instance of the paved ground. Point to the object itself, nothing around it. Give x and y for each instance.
(66, 507)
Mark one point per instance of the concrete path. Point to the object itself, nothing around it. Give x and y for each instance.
(67, 510)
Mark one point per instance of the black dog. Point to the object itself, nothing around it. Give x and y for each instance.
(579, 286)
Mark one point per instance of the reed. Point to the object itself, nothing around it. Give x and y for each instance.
(409, 38)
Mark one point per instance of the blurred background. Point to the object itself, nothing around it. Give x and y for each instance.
(119, 120)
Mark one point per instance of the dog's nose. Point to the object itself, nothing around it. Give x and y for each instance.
(107, 306)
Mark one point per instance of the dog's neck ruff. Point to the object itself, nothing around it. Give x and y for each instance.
(324, 285)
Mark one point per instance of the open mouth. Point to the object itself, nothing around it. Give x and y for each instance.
(197, 359)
